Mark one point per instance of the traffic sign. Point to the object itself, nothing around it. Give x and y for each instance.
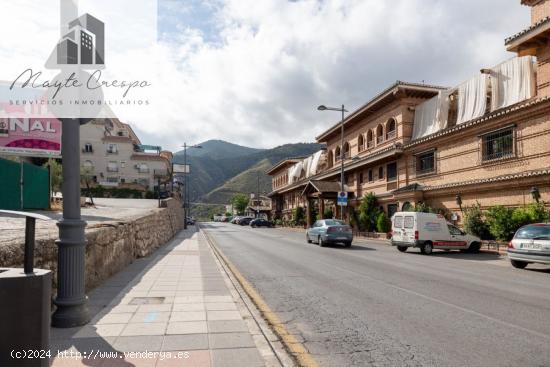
(343, 198)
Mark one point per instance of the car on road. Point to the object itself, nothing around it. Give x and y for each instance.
(328, 231)
(429, 231)
(260, 222)
(245, 221)
(531, 244)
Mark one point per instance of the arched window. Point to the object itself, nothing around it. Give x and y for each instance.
(330, 159)
(391, 129)
(337, 154)
(370, 139)
(361, 142)
(380, 173)
(379, 134)
(346, 150)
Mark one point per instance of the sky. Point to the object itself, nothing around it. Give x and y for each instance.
(253, 72)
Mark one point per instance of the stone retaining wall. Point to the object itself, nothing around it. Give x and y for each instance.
(111, 246)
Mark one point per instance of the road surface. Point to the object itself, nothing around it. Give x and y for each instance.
(372, 305)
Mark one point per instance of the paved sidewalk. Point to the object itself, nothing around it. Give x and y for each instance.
(174, 308)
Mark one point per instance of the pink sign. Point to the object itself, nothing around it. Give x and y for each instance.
(23, 135)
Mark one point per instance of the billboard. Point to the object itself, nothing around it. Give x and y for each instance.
(27, 129)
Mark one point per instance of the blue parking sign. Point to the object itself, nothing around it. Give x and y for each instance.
(343, 198)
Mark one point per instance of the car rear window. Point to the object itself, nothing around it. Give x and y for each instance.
(332, 222)
(409, 222)
(398, 222)
(534, 232)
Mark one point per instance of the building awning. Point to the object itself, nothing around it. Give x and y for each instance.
(324, 187)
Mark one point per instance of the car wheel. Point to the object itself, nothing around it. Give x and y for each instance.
(347, 244)
(427, 248)
(320, 242)
(474, 247)
(518, 264)
(308, 239)
(402, 248)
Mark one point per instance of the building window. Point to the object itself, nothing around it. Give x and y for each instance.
(88, 148)
(112, 179)
(425, 162)
(88, 166)
(380, 173)
(142, 168)
(391, 128)
(499, 144)
(346, 150)
(379, 134)
(361, 142)
(361, 178)
(112, 167)
(330, 159)
(391, 172)
(112, 149)
(337, 155)
(370, 176)
(370, 139)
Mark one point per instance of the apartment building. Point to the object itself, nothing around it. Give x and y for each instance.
(112, 156)
(486, 140)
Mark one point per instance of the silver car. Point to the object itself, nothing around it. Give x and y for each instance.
(327, 231)
(531, 244)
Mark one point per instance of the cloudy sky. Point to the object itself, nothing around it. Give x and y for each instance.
(253, 71)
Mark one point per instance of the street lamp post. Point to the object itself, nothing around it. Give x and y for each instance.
(71, 298)
(185, 182)
(343, 110)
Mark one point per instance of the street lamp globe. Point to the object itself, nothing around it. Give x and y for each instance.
(322, 108)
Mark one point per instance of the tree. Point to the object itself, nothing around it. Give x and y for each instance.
(299, 216)
(383, 224)
(422, 207)
(56, 174)
(239, 202)
(501, 222)
(368, 212)
(328, 213)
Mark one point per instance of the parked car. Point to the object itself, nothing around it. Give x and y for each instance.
(326, 231)
(429, 231)
(259, 222)
(531, 244)
(235, 219)
(190, 221)
(245, 221)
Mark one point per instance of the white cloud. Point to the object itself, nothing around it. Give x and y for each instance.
(259, 79)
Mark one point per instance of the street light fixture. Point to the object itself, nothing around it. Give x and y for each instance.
(185, 181)
(343, 110)
(535, 193)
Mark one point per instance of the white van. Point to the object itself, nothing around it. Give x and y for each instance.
(429, 231)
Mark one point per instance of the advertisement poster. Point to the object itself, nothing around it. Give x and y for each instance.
(22, 131)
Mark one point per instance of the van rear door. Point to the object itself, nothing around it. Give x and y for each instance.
(397, 228)
(409, 228)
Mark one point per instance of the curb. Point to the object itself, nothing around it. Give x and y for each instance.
(293, 352)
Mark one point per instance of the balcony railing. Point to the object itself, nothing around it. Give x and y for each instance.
(112, 169)
(112, 151)
(88, 151)
(370, 144)
(380, 139)
(391, 135)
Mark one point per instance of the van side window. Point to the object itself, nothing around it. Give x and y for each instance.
(453, 230)
(409, 222)
(398, 222)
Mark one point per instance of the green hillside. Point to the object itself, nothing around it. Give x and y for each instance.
(216, 176)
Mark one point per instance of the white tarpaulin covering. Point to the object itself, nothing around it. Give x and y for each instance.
(472, 98)
(314, 163)
(295, 171)
(512, 81)
(431, 116)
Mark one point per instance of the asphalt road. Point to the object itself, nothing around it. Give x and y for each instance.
(372, 305)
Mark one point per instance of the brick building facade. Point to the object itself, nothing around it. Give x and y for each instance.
(497, 158)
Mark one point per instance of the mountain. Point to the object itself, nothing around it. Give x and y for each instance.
(216, 149)
(221, 169)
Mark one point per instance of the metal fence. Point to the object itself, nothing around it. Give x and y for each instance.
(23, 186)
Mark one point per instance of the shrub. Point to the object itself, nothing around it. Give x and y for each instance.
(368, 212)
(538, 213)
(383, 224)
(422, 207)
(501, 222)
(298, 216)
(149, 195)
(328, 213)
(475, 224)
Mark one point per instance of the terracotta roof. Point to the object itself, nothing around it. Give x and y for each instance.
(531, 29)
(383, 98)
(492, 179)
(280, 164)
(490, 116)
(326, 186)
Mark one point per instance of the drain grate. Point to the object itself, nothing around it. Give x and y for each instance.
(147, 300)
